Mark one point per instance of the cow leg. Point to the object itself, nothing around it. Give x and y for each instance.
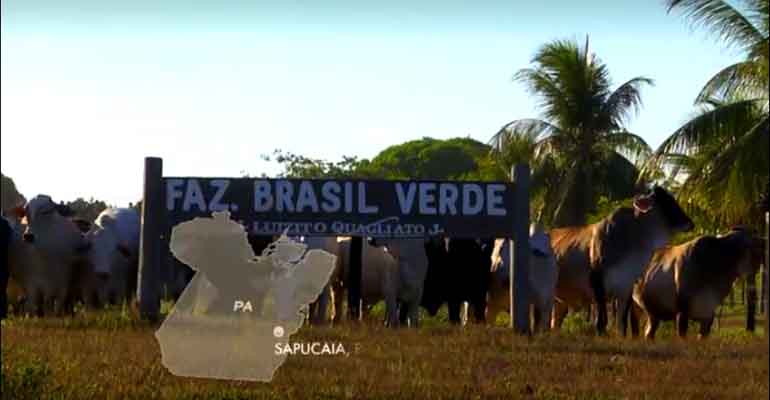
(600, 297)
(536, 318)
(479, 308)
(682, 317)
(63, 303)
(391, 311)
(318, 308)
(601, 318)
(414, 314)
(560, 311)
(34, 304)
(454, 311)
(312, 309)
(624, 311)
(652, 327)
(682, 324)
(338, 308)
(403, 313)
(634, 315)
(705, 328)
(542, 315)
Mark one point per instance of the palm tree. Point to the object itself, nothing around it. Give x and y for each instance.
(726, 143)
(580, 148)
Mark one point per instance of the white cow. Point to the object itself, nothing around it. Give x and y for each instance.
(114, 252)
(30, 277)
(543, 275)
(393, 271)
(379, 278)
(318, 309)
(63, 249)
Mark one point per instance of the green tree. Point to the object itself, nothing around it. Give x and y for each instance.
(720, 156)
(426, 158)
(10, 195)
(87, 209)
(298, 166)
(580, 148)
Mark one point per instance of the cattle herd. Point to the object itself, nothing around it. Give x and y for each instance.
(54, 261)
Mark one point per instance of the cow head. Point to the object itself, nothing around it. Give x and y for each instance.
(50, 230)
(104, 250)
(41, 207)
(660, 200)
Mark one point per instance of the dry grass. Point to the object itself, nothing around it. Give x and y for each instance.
(107, 356)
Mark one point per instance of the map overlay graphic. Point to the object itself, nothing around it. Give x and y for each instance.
(225, 323)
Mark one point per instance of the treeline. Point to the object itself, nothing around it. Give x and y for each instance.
(426, 158)
(80, 207)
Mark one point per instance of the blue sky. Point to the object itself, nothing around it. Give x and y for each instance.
(91, 88)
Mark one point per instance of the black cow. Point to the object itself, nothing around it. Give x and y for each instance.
(458, 271)
(5, 241)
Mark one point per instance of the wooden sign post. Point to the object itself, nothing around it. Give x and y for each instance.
(150, 258)
(520, 253)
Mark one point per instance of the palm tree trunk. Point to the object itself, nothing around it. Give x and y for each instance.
(576, 203)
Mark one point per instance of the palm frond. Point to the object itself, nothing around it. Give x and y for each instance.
(625, 101)
(546, 88)
(731, 178)
(715, 124)
(745, 157)
(742, 80)
(529, 130)
(629, 145)
(722, 19)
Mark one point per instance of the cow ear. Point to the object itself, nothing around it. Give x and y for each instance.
(643, 204)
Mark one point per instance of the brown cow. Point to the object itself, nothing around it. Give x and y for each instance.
(604, 259)
(689, 281)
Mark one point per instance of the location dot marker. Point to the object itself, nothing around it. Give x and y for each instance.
(278, 331)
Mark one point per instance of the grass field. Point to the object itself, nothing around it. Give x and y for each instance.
(109, 355)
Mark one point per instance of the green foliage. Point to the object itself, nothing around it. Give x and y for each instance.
(87, 209)
(427, 158)
(299, 166)
(10, 195)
